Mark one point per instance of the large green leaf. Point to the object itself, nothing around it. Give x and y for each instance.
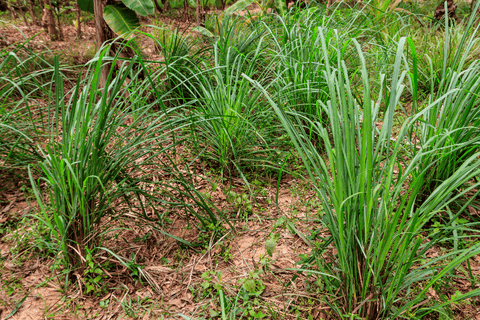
(142, 7)
(122, 20)
(86, 5)
(239, 5)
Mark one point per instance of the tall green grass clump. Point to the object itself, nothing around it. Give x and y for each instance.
(235, 37)
(24, 75)
(233, 128)
(450, 125)
(108, 155)
(88, 161)
(180, 55)
(299, 63)
(369, 189)
(441, 54)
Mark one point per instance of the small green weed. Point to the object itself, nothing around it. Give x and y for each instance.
(11, 284)
(95, 276)
(136, 307)
(241, 202)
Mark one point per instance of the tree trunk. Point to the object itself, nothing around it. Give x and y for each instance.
(32, 12)
(198, 13)
(166, 5)
(101, 35)
(159, 9)
(79, 27)
(57, 10)
(48, 21)
(22, 13)
(60, 30)
(12, 11)
(185, 5)
(440, 10)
